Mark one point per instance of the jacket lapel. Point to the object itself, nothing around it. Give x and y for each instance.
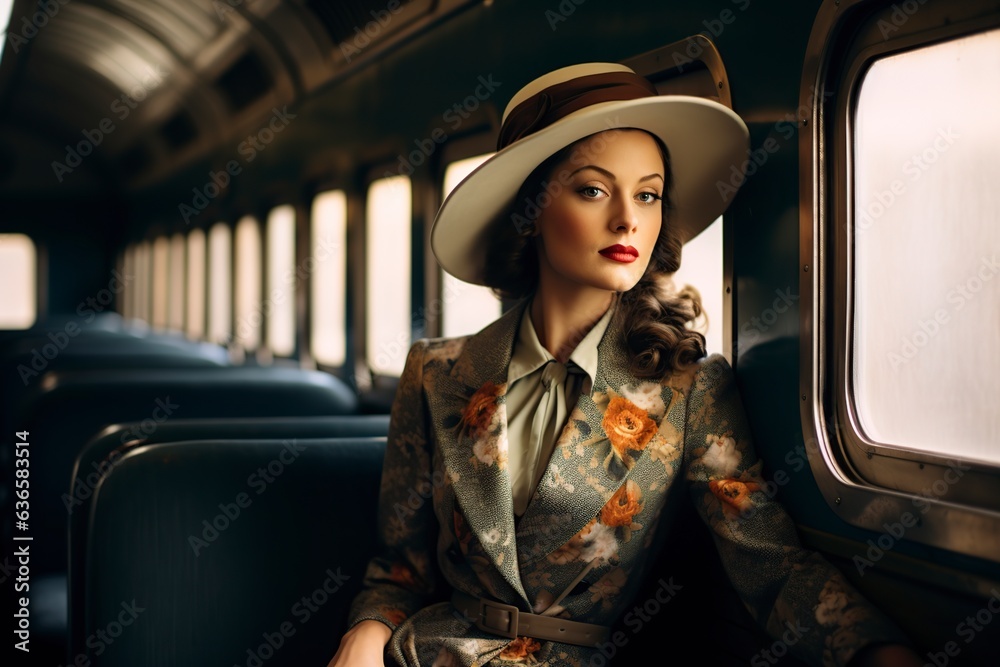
(476, 414)
(607, 435)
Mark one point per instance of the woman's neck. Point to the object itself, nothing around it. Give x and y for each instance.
(562, 318)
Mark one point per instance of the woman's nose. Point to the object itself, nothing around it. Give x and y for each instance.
(624, 217)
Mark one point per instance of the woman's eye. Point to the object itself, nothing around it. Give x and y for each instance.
(591, 191)
(648, 197)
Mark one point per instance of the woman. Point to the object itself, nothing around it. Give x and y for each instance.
(528, 466)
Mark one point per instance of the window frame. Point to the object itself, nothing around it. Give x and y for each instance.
(229, 289)
(273, 282)
(867, 484)
(309, 244)
(416, 286)
(34, 259)
(463, 148)
(199, 333)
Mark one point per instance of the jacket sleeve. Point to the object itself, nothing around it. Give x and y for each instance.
(402, 576)
(795, 594)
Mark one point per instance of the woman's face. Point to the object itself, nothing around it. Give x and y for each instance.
(605, 213)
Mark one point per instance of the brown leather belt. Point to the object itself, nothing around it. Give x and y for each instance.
(508, 621)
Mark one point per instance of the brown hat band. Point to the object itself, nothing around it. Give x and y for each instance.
(562, 99)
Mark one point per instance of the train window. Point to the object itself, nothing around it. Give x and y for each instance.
(196, 287)
(280, 300)
(247, 308)
(926, 243)
(6, 7)
(175, 296)
(127, 296)
(220, 286)
(161, 280)
(328, 301)
(18, 274)
(142, 282)
(388, 274)
(701, 267)
(465, 308)
(898, 289)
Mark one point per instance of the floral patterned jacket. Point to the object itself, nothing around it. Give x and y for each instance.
(446, 520)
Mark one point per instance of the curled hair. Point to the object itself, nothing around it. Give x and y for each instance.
(656, 318)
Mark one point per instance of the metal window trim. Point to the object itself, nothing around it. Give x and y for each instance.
(831, 431)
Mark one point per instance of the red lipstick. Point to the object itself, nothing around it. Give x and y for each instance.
(620, 253)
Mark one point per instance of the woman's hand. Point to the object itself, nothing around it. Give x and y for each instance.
(362, 646)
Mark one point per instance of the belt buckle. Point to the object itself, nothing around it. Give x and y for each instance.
(483, 622)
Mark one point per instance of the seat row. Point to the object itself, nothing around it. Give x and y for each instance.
(65, 380)
(243, 545)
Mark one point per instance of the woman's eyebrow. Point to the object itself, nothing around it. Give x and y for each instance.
(611, 176)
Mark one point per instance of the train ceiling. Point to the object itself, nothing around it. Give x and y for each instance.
(138, 88)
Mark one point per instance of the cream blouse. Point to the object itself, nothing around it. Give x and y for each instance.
(541, 392)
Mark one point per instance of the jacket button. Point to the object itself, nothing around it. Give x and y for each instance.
(581, 587)
(454, 555)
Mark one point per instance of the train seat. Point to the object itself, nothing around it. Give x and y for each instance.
(67, 408)
(193, 557)
(106, 448)
(26, 359)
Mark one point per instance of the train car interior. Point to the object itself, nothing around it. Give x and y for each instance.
(214, 257)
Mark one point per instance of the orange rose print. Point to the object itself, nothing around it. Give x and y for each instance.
(623, 506)
(628, 426)
(570, 551)
(733, 492)
(478, 414)
(521, 649)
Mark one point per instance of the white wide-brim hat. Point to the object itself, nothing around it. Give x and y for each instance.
(706, 142)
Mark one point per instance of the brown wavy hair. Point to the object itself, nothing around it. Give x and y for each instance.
(656, 318)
